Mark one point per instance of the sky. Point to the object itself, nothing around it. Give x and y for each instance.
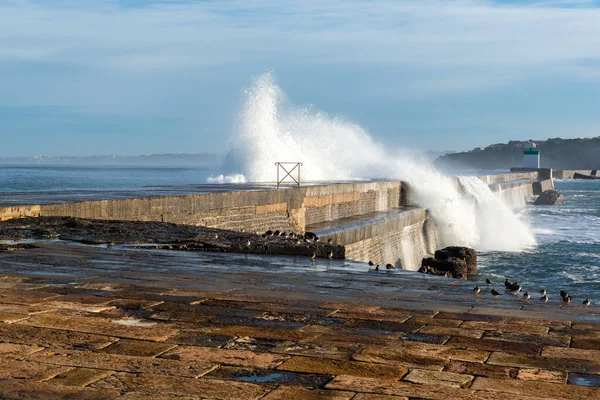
(129, 77)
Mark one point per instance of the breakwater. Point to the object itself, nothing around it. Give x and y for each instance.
(377, 221)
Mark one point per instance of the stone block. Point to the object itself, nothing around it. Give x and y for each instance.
(536, 374)
(478, 369)
(494, 326)
(495, 345)
(546, 340)
(427, 377)
(18, 389)
(572, 353)
(290, 392)
(123, 363)
(445, 330)
(535, 388)
(140, 348)
(341, 367)
(332, 351)
(560, 364)
(57, 339)
(229, 357)
(79, 377)
(176, 385)
(29, 370)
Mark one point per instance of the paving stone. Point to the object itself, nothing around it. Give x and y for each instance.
(411, 390)
(426, 377)
(101, 326)
(139, 348)
(24, 297)
(494, 326)
(32, 371)
(536, 374)
(341, 352)
(420, 354)
(17, 350)
(468, 317)
(134, 304)
(309, 381)
(370, 396)
(80, 303)
(252, 344)
(340, 367)
(199, 338)
(545, 340)
(560, 364)
(175, 385)
(260, 332)
(580, 354)
(536, 388)
(228, 357)
(163, 396)
(287, 393)
(373, 316)
(122, 363)
(421, 337)
(59, 339)
(387, 326)
(451, 331)
(490, 371)
(437, 322)
(10, 317)
(79, 377)
(495, 345)
(584, 343)
(551, 323)
(18, 389)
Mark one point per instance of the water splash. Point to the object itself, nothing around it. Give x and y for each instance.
(270, 129)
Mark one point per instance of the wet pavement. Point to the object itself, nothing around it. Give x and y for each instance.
(97, 322)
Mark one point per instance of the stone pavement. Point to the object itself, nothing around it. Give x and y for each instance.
(86, 322)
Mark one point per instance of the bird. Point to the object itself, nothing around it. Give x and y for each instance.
(317, 239)
(507, 284)
(283, 234)
(269, 233)
(563, 294)
(516, 289)
(389, 266)
(487, 280)
(495, 292)
(216, 236)
(544, 299)
(248, 243)
(371, 263)
(476, 290)
(567, 299)
(297, 242)
(276, 233)
(330, 255)
(313, 255)
(330, 241)
(526, 295)
(377, 267)
(586, 302)
(543, 292)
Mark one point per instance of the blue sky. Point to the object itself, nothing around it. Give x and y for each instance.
(82, 77)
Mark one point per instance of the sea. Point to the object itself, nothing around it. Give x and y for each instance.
(566, 254)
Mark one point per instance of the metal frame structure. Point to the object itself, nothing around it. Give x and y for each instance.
(281, 165)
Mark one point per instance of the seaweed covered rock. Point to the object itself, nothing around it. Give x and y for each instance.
(464, 253)
(549, 198)
(450, 267)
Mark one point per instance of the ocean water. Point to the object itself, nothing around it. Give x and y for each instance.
(567, 254)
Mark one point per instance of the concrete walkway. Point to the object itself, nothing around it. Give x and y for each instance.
(88, 322)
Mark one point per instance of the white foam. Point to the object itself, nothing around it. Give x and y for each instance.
(233, 178)
(270, 129)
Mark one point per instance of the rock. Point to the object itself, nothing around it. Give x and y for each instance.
(451, 266)
(549, 198)
(464, 253)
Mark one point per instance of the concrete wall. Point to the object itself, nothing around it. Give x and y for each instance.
(568, 173)
(402, 239)
(284, 209)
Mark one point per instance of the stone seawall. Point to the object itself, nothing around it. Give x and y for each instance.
(284, 209)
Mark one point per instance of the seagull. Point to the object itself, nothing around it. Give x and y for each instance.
(526, 295)
(389, 266)
(567, 299)
(495, 292)
(269, 233)
(276, 233)
(544, 299)
(476, 290)
(516, 289)
(586, 302)
(371, 263)
(507, 284)
(564, 294)
(377, 267)
(543, 292)
(487, 280)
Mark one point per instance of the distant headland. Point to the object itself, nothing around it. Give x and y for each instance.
(555, 153)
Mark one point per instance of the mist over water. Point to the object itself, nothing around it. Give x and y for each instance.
(270, 129)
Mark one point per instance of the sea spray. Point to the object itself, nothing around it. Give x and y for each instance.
(270, 129)
(499, 227)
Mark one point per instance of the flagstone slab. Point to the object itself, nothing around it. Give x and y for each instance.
(427, 377)
(56, 338)
(288, 393)
(79, 377)
(536, 388)
(221, 356)
(341, 367)
(141, 348)
(18, 389)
